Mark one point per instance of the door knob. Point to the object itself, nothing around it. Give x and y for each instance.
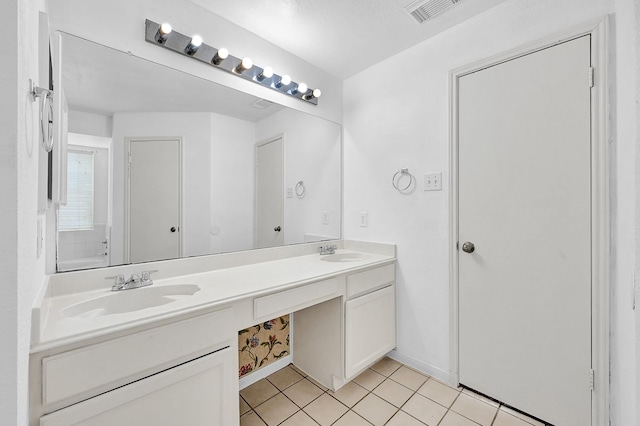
(173, 229)
(468, 247)
(277, 229)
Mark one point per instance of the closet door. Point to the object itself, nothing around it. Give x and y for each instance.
(525, 232)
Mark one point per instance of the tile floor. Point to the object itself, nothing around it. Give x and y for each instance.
(388, 393)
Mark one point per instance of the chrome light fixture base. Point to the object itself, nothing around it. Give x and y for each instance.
(179, 43)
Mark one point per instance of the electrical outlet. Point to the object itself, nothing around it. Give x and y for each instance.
(433, 181)
(325, 218)
(363, 219)
(289, 192)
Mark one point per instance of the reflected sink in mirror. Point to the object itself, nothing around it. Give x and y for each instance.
(126, 301)
(343, 257)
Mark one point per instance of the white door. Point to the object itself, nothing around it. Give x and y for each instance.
(524, 202)
(154, 200)
(269, 194)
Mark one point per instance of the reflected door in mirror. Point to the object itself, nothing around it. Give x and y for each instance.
(154, 200)
(269, 194)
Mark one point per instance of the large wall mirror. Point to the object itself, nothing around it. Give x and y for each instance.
(162, 164)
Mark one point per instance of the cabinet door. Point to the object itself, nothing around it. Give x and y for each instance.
(200, 392)
(370, 329)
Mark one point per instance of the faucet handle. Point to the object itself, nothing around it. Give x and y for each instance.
(119, 279)
(146, 275)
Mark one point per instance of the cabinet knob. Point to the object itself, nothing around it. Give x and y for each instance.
(468, 247)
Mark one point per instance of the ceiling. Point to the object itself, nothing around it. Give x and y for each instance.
(341, 37)
(104, 81)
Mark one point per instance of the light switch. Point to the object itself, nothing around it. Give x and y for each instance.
(289, 192)
(325, 218)
(433, 181)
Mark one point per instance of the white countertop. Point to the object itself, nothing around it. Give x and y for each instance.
(217, 287)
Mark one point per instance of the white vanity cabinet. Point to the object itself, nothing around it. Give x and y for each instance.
(370, 318)
(336, 340)
(183, 372)
(194, 393)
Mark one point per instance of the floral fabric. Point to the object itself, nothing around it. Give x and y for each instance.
(263, 344)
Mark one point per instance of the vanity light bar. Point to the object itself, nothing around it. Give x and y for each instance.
(193, 47)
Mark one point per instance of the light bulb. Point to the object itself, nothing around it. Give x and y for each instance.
(220, 56)
(315, 93)
(267, 72)
(194, 44)
(196, 41)
(165, 28)
(284, 81)
(246, 64)
(302, 88)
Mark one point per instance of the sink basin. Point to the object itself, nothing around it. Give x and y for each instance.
(343, 257)
(119, 302)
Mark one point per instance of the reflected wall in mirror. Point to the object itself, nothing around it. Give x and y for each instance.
(163, 164)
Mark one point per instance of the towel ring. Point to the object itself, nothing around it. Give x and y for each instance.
(46, 117)
(300, 189)
(397, 177)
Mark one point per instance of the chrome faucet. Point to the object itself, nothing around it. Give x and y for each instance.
(142, 279)
(328, 249)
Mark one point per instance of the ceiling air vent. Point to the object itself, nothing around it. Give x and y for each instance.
(261, 104)
(423, 10)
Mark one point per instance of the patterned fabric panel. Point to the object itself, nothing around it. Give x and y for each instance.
(262, 344)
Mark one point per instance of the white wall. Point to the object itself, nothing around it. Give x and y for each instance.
(120, 24)
(87, 123)
(232, 184)
(397, 117)
(312, 155)
(22, 273)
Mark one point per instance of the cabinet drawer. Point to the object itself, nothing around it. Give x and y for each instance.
(367, 281)
(101, 367)
(295, 299)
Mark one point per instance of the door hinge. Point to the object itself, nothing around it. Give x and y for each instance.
(592, 379)
(592, 77)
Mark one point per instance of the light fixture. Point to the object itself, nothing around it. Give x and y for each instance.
(301, 87)
(164, 30)
(245, 64)
(220, 56)
(194, 45)
(267, 72)
(284, 81)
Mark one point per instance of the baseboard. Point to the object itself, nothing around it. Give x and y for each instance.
(260, 374)
(430, 370)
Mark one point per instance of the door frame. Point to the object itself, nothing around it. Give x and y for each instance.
(127, 188)
(255, 184)
(600, 233)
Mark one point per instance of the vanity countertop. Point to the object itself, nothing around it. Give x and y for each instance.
(217, 288)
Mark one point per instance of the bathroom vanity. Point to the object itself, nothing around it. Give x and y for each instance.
(167, 354)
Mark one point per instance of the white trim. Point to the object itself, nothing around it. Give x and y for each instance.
(428, 369)
(600, 272)
(127, 184)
